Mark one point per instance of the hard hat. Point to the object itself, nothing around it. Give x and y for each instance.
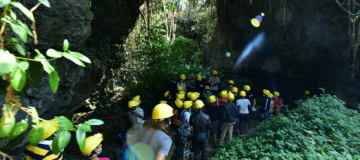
(231, 81)
(266, 92)
(247, 88)
(207, 88)
(162, 111)
(235, 90)
(243, 93)
(48, 128)
(133, 104)
(271, 95)
(178, 103)
(223, 94)
(166, 94)
(199, 78)
(199, 104)
(181, 92)
(194, 96)
(136, 98)
(180, 96)
(180, 88)
(277, 94)
(307, 92)
(182, 77)
(212, 99)
(163, 102)
(187, 104)
(230, 96)
(91, 143)
(215, 73)
(189, 94)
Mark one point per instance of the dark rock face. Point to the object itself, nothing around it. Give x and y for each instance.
(306, 50)
(75, 20)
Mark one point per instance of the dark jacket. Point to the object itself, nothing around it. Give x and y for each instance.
(230, 112)
(202, 126)
(212, 111)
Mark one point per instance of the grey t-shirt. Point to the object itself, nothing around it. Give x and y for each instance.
(147, 144)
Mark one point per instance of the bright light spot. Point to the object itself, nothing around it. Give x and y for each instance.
(228, 54)
(259, 18)
(263, 14)
(255, 22)
(254, 44)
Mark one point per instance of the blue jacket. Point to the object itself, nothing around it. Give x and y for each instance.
(267, 103)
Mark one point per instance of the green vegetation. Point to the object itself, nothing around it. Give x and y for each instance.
(320, 128)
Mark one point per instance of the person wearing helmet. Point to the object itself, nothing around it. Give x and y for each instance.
(235, 91)
(194, 96)
(188, 95)
(229, 116)
(244, 105)
(182, 83)
(93, 147)
(202, 128)
(307, 94)
(130, 115)
(139, 112)
(278, 102)
(199, 84)
(185, 114)
(167, 95)
(214, 81)
(230, 85)
(222, 102)
(44, 149)
(153, 140)
(212, 109)
(252, 100)
(206, 96)
(272, 104)
(265, 109)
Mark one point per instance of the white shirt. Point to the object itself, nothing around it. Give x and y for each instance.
(213, 80)
(243, 105)
(183, 85)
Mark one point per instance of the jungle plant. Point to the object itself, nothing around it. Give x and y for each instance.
(320, 128)
(13, 70)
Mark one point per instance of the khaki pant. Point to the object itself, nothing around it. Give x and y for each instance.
(226, 127)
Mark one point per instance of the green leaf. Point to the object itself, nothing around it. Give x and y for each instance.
(55, 145)
(39, 56)
(24, 65)
(45, 2)
(18, 79)
(73, 59)
(19, 128)
(20, 31)
(53, 53)
(87, 128)
(14, 40)
(35, 135)
(80, 56)
(12, 15)
(3, 3)
(35, 115)
(64, 138)
(66, 45)
(80, 138)
(20, 49)
(94, 122)
(28, 31)
(47, 67)
(7, 62)
(54, 81)
(24, 10)
(64, 122)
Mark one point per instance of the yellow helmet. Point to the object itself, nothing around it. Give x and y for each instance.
(230, 96)
(181, 92)
(266, 92)
(231, 81)
(194, 96)
(178, 103)
(215, 73)
(243, 93)
(136, 98)
(199, 104)
(182, 77)
(133, 103)
(271, 95)
(247, 88)
(162, 111)
(166, 94)
(189, 94)
(212, 99)
(48, 128)
(163, 102)
(223, 94)
(187, 104)
(91, 143)
(180, 96)
(307, 92)
(277, 94)
(199, 78)
(235, 90)
(207, 88)
(180, 88)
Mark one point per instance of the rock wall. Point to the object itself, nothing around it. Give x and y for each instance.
(307, 49)
(93, 28)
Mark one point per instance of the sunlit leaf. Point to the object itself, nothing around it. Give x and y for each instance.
(47, 67)
(80, 138)
(28, 31)
(94, 122)
(35, 135)
(18, 79)
(54, 81)
(24, 65)
(53, 53)
(45, 2)
(7, 62)
(3, 3)
(20, 31)
(64, 122)
(73, 59)
(20, 49)
(35, 115)
(64, 138)
(66, 45)
(80, 56)
(19, 128)
(24, 10)
(55, 145)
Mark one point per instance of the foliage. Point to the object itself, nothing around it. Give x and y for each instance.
(320, 128)
(184, 47)
(13, 69)
(206, 22)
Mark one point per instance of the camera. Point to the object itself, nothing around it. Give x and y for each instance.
(182, 141)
